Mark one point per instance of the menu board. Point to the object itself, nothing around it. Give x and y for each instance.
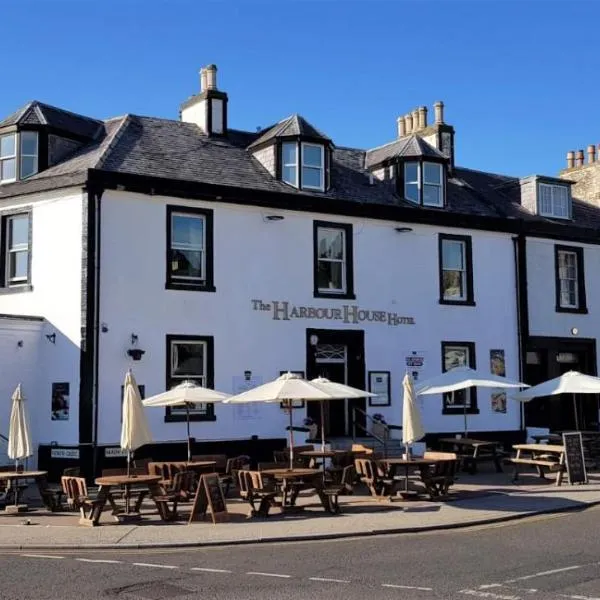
(575, 460)
(209, 495)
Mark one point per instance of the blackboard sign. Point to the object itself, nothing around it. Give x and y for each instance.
(209, 495)
(574, 457)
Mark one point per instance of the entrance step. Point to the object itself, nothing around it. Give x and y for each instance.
(393, 447)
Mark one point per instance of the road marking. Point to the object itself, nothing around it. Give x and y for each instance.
(155, 566)
(268, 574)
(99, 560)
(543, 573)
(207, 570)
(327, 579)
(42, 556)
(480, 594)
(407, 587)
(580, 597)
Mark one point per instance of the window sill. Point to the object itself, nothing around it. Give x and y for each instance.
(581, 311)
(458, 302)
(460, 411)
(190, 287)
(183, 418)
(344, 296)
(16, 289)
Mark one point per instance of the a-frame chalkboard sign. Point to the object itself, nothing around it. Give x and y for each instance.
(209, 495)
(574, 457)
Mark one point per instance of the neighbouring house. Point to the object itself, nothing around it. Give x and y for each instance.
(186, 249)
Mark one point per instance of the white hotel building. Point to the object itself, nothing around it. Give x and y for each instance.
(227, 256)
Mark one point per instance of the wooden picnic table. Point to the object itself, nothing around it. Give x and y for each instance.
(394, 463)
(291, 481)
(472, 451)
(12, 479)
(106, 483)
(167, 469)
(541, 456)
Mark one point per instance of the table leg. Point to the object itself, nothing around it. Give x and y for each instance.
(17, 507)
(496, 459)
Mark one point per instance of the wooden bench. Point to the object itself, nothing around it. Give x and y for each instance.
(253, 489)
(380, 486)
(332, 491)
(442, 475)
(231, 470)
(542, 456)
(180, 491)
(77, 495)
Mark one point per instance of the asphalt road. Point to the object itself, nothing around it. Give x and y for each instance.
(553, 558)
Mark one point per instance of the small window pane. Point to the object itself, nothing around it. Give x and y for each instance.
(312, 177)
(28, 166)
(453, 254)
(411, 172)
(18, 265)
(188, 231)
(288, 174)
(411, 192)
(331, 275)
(29, 143)
(313, 155)
(187, 263)
(432, 195)
(454, 285)
(331, 244)
(432, 173)
(8, 145)
(8, 169)
(187, 359)
(289, 154)
(18, 231)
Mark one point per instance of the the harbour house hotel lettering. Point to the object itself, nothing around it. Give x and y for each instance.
(229, 256)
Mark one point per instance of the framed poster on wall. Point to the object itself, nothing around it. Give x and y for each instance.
(498, 367)
(60, 401)
(380, 384)
(295, 403)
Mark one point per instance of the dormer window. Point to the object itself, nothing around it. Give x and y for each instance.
(554, 201)
(22, 164)
(308, 172)
(424, 183)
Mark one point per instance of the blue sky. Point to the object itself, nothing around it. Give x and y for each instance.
(519, 78)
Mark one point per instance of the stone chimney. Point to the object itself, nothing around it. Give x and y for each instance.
(438, 107)
(408, 120)
(208, 109)
(415, 120)
(422, 117)
(591, 152)
(584, 177)
(579, 160)
(401, 126)
(570, 159)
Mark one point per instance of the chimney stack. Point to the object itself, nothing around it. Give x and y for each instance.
(570, 159)
(591, 152)
(415, 119)
(211, 77)
(579, 160)
(439, 112)
(422, 117)
(401, 127)
(408, 120)
(202, 79)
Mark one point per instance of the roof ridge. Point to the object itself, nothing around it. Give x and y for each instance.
(488, 173)
(69, 112)
(115, 137)
(40, 113)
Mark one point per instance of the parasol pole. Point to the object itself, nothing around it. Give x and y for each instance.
(291, 436)
(465, 416)
(189, 442)
(323, 427)
(575, 411)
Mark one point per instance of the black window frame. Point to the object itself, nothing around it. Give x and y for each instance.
(400, 180)
(349, 250)
(5, 287)
(207, 285)
(470, 295)
(178, 417)
(452, 409)
(581, 295)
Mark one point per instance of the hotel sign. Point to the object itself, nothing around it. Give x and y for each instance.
(282, 310)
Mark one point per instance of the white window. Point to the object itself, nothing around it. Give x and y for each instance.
(289, 163)
(432, 184)
(454, 265)
(411, 181)
(187, 252)
(313, 167)
(331, 260)
(568, 279)
(554, 201)
(8, 158)
(29, 154)
(17, 250)
(188, 362)
(459, 354)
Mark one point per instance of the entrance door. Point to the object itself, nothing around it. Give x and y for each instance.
(337, 355)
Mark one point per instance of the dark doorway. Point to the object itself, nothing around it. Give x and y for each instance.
(548, 358)
(337, 355)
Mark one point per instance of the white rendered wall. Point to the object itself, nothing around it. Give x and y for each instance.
(254, 259)
(56, 278)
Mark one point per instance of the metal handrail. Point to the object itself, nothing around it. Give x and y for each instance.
(4, 438)
(355, 423)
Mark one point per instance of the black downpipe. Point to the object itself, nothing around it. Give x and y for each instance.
(520, 252)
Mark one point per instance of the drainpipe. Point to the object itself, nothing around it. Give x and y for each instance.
(520, 254)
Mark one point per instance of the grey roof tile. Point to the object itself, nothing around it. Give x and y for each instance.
(404, 147)
(292, 126)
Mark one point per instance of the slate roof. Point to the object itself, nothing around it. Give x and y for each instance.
(406, 147)
(38, 113)
(292, 126)
(175, 150)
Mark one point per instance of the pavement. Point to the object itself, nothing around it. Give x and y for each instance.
(475, 500)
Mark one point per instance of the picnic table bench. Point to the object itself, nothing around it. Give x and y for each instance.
(471, 452)
(541, 456)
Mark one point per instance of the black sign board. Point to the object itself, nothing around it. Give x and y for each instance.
(575, 460)
(209, 495)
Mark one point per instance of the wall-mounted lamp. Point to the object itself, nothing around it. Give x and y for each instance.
(104, 328)
(314, 340)
(274, 217)
(247, 375)
(574, 331)
(51, 337)
(20, 344)
(403, 229)
(135, 353)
